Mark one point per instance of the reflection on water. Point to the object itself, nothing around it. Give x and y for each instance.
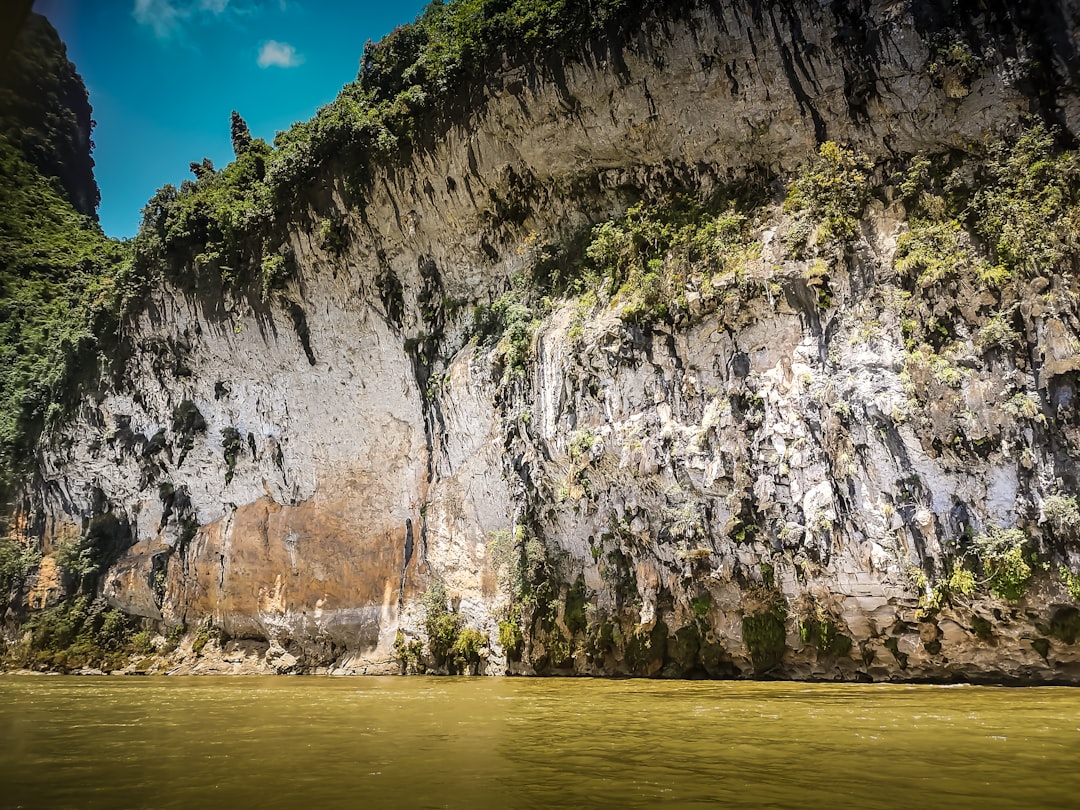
(513, 743)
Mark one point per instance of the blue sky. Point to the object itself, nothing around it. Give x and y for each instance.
(164, 75)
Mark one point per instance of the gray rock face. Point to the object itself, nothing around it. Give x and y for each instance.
(752, 489)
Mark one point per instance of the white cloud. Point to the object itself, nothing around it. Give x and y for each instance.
(161, 15)
(169, 18)
(278, 54)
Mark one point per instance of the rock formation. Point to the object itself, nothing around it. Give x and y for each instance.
(460, 437)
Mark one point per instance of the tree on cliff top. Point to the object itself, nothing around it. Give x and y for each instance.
(241, 135)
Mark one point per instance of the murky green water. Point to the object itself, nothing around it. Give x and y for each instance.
(313, 743)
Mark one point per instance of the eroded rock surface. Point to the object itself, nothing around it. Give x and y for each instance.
(766, 484)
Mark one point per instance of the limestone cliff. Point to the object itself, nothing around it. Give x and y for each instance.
(822, 437)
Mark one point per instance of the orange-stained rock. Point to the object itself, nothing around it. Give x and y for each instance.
(315, 571)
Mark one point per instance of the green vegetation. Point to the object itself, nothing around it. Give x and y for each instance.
(931, 252)
(1005, 211)
(1072, 582)
(451, 644)
(557, 646)
(646, 646)
(1004, 556)
(468, 650)
(206, 633)
(440, 623)
(507, 326)
(764, 628)
(521, 564)
(528, 579)
(231, 446)
(410, 654)
(511, 638)
(700, 604)
(574, 610)
(61, 279)
(187, 422)
(411, 86)
(961, 581)
(81, 632)
(1024, 202)
(997, 332)
(819, 629)
(17, 560)
(952, 65)
(79, 560)
(832, 190)
(1017, 197)
(981, 224)
(65, 285)
(59, 301)
(648, 257)
(45, 113)
(1063, 515)
(765, 637)
(581, 444)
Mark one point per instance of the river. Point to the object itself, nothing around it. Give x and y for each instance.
(313, 743)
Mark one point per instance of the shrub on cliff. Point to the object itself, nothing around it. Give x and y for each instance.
(1063, 515)
(79, 632)
(833, 189)
(648, 255)
(17, 560)
(1025, 201)
(1004, 556)
(451, 644)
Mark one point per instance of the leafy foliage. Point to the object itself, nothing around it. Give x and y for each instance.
(833, 189)
(1025, 202)
(819, 628)
(231, 446)
(410, 654)
(1008, 208)
(17, 560)
(45, 113)
(239, 133)
(60, 277)
(765, 637)
(1063, 515)
(649, 255)
(1072, 583)
(520, 562)
(81, 632)
(1004, 556)
(450, 642)
(509, 324)
(60, 282)
(932, 252)
(511, 637)
(961, 581)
